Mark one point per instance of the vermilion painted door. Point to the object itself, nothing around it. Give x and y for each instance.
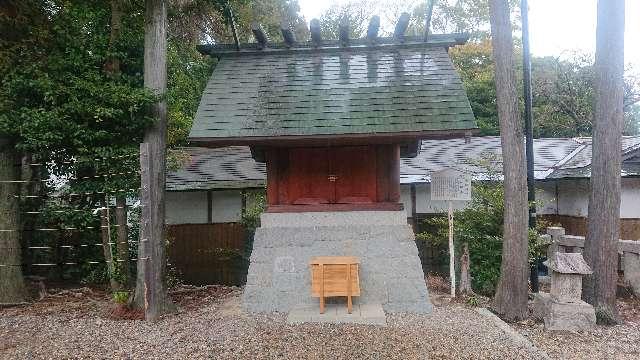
(355, 169)
(308, 177)
(344, 175)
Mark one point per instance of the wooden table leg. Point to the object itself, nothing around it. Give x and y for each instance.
(349, 304)
(321, 288)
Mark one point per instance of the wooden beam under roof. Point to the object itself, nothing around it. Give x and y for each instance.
(259, 34)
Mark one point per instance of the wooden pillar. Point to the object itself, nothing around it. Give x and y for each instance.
(272, 176)
(209, 207)
(414, 220)
(394, 175)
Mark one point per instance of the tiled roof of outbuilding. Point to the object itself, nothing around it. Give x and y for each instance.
(233, 167)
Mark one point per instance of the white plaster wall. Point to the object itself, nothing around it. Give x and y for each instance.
(405, 198)
(186, 207)
(546, 197)
(226, 206)
(630, 198)
(573, 197)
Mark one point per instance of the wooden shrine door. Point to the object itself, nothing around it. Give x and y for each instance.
(339, 175)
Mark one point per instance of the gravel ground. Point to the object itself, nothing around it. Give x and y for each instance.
(216, 327)
(602, 342)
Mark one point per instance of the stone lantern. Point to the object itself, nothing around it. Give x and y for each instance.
(563, 309)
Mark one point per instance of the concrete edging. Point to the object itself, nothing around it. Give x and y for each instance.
(511, 333)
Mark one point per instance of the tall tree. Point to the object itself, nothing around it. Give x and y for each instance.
(151, 290)
(121, 262)
(603, 224)
(12, 289)
(512, 292)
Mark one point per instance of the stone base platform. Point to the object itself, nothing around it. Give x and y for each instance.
(570, 316)
(390, 271)
(370, 314)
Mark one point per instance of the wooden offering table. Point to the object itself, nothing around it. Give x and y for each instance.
(335, 276)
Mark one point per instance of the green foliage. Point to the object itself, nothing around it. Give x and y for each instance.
(73, 241)
(188, 72)
(473, 301)
(57, 101)
(256, 203)
(474, 63)
(564, 93)
(121, 297)
(355, 13)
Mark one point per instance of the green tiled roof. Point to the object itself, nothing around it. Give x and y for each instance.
(392, 89)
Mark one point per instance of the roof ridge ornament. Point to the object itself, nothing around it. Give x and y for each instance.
(372, 30)
(287, 35)
(401, 26)
(343, 30)
(314, 29)
(259, 34)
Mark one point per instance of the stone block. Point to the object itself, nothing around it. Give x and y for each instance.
(632, 246)
(259, 279)
(541, 303)
(566, 287)
(552, 249)
(572, 241)
(555, 231)
(632, 271)
(569, 316)
(386, 249)
(288, 282)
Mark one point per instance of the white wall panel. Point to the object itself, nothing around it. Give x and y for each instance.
(226, 205)
(186, 207)
(630, 201)
(546, 198)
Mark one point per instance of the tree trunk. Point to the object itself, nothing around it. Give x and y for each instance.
(512, 292)
(465, 275)
(601, 251)
(30, 187)
(151, 290)
(112, 66)
(12, 288)
(105, 227)
(123, 262)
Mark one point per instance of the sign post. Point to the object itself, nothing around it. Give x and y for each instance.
(451, 185)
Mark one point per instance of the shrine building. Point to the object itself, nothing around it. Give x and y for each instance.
(331, 120)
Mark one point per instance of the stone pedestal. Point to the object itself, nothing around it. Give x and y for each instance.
(390, 270)
(631, 263)
(562, 309)
(570, 316)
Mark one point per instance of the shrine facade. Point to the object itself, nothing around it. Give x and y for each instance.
(331, 120)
